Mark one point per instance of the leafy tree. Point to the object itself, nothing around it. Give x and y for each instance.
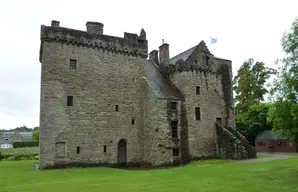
(36, 134)
(253, 121)
(284, 113)
(249, 84)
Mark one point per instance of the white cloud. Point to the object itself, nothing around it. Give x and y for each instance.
(244, 29)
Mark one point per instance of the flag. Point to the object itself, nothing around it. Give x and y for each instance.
(213, 40)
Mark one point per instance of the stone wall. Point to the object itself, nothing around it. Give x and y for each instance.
(201, 133)
(250, 149)
(102, 80)
(228, 145)
(157, 134)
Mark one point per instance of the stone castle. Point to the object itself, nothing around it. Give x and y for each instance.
(105, 101)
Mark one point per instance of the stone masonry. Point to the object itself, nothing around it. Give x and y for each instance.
(104, 103)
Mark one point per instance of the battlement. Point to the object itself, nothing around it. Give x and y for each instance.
(93, 37)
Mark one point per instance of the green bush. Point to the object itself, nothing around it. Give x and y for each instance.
(36, 157)
(19, 157)
(25, 144)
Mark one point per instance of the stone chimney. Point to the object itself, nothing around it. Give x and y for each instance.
(55, 23)
(153, 55)
(94, 28)
(164, 54)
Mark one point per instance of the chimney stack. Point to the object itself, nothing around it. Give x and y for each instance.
(153, 55)
(95, 28)
(164, 54)
(55, 23)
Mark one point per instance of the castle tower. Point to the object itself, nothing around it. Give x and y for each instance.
(91, 106)
(205, 82)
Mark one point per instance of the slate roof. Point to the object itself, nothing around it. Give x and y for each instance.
(267, 135)
(184, 55)
(161, 86)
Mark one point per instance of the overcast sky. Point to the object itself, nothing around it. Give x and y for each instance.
(244, 29)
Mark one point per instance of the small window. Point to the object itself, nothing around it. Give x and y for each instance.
(132, 121)
(69, 100)
(78, 150)
(116, 107)
(174, 129)
(73, 64)
(175, 152)
(218, 120)
(198, 113)
(198, 90)
(105, 148)
(261, 144)
(173, 105)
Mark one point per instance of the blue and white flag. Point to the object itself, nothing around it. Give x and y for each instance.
(213, 40)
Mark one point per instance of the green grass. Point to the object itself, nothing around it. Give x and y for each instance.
(205, 176)
(18, 151)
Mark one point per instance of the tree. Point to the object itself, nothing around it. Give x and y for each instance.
(36, 134)
(284, 112)
(249, 84)
(253, 121)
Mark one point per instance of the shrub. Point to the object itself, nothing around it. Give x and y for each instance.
(36, 157)
(20, 157)
(25, 144)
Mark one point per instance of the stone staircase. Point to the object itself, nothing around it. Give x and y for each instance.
(232, 145)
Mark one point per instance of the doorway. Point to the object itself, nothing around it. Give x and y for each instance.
(122, 153)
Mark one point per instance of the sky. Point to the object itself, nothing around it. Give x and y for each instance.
(244, 29)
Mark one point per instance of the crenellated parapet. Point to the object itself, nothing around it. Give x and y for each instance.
(211, 65)
(130, 44)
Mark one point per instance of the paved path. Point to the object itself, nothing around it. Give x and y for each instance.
(273, 157)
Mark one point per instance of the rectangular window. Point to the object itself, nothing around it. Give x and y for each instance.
(174, 126)
(73, 64)
(69, 100)
(173, 105)
(175, 152)
(198, 113)
(261, 144)
(105, 148)
(198, 90)
(78, 150)
(116, 107)
(132, 121)
(218, 120)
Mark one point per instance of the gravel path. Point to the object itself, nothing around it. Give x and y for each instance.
(273, 157)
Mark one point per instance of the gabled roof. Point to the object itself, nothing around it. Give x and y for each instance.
(267, 135)
(161, 86)
(185, 55)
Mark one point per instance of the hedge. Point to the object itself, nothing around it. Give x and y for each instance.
(25, 144)
(19, 157)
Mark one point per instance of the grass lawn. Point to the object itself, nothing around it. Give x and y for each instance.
(25, 150)
(202, 176)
